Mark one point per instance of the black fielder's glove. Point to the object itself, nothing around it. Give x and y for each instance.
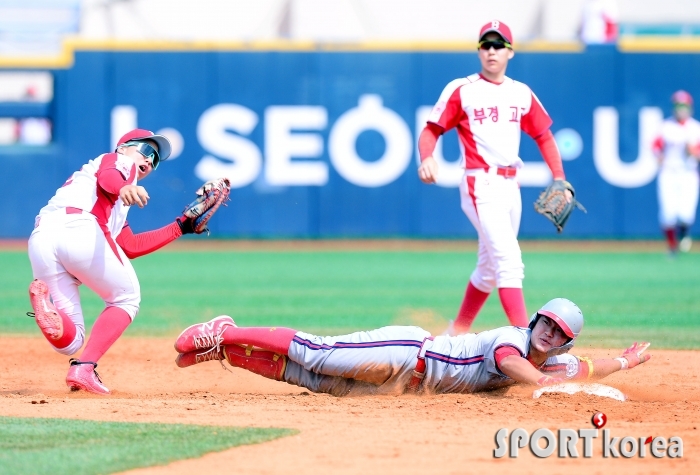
(197, 214)
(553, 205)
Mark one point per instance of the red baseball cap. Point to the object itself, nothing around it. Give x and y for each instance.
(682, 97)
(135, 135)
(499, 27)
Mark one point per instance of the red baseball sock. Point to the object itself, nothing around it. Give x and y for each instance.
(513, 303)
(275, 339)
(473, 300)
(671, 238)
(108, 327)
(69, 331)
(265, 363)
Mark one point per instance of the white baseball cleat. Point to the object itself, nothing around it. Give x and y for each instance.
(204, 335)
(685, 244)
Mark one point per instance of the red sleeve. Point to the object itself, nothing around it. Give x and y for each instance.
(503, 351)
(112, 175)
(137, 245)
(427, 140)
(536, 121)
(550, 153)
(452, 114)
(657, 146)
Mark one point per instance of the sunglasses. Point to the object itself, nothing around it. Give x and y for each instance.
(147, 151)
(495, 44)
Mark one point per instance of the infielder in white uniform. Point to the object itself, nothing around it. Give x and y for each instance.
(82, 237)
(394, 360)
(489, 111)
(678, 150)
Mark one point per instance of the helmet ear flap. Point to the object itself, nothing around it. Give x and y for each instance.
(533, 320)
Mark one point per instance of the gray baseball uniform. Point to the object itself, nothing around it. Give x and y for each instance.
(382, 361)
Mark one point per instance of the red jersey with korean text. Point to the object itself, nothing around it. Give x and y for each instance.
(85, 191)
(488, 118)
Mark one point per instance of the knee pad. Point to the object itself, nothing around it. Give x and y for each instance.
(483, 282)
(510, 273)
(130, 305)
(76, 344)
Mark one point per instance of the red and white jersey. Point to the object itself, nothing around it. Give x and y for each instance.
(673, 143)
(489, 118)
(83, 192)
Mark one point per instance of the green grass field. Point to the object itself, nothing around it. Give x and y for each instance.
(624, 296)
(48, 446)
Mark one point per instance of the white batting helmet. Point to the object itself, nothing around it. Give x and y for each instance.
(567, 315)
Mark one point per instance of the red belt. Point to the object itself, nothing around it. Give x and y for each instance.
(419, 371)
(69, 210)
(507, 172)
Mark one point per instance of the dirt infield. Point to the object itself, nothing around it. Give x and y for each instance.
(404, 434)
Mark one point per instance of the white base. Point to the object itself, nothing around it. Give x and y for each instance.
(573, 388)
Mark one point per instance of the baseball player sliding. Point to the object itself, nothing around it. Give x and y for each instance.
(678, 150)
(82, 237)
(398, 359)
(489, 110)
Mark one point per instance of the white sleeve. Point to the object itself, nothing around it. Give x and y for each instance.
(565, 366)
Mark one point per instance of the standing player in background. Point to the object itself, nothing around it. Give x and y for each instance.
(489, 110)
(81, 237)
(678, 150)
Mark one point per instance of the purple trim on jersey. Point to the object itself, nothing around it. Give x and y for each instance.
(456, 361)
(370, 344)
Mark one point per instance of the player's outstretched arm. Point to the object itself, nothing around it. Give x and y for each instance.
(631, 357)
(522, 371)
(137, 245)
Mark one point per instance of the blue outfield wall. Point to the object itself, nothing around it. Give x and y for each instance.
(322, 144)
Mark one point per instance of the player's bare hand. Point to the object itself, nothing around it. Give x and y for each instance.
(569, 196)
(134, 194)
(635, 354)
(428, 170)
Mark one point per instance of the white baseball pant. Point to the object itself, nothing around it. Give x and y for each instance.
(493, 205)
(66, 250)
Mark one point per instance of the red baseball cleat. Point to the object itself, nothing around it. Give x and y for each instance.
(204, 335)
(46, 315)
(192, 358)
(82, 375)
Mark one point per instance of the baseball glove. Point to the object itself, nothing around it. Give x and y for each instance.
(552, 203)
(197, 214)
